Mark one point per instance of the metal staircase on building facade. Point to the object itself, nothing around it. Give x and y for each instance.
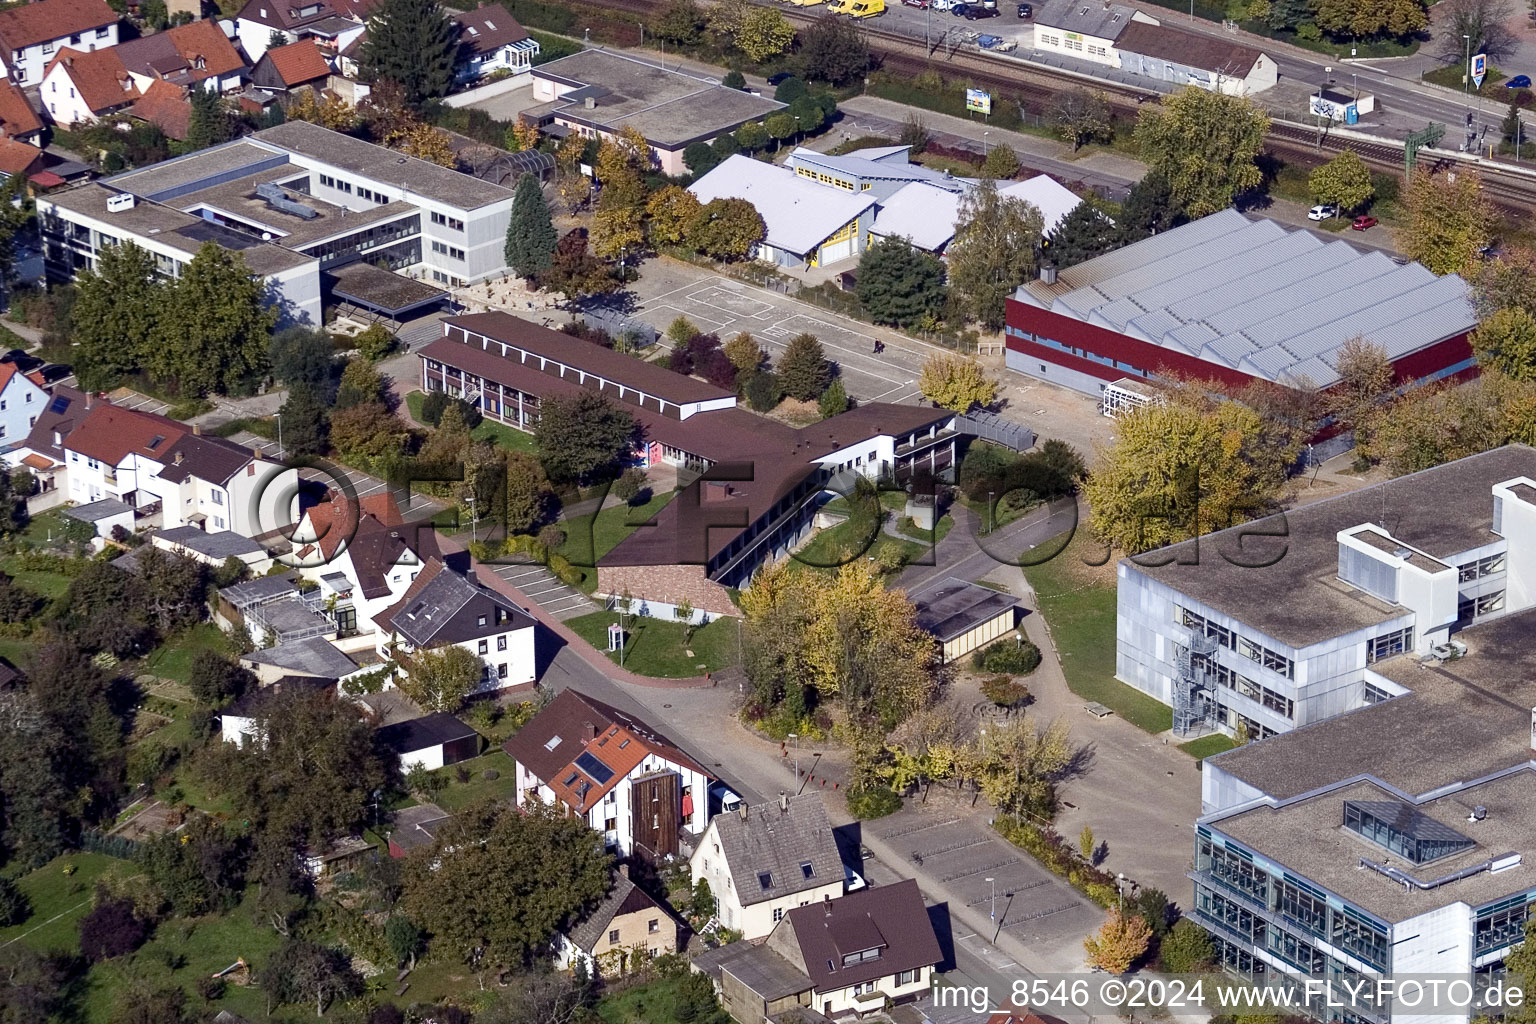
(1194, 693)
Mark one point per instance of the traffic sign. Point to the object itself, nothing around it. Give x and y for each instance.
(1479, 69)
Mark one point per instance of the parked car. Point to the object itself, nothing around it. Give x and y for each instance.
(1519, 82)
(958, 10)
(975, 12)
(1026, 11)
(1322, 212)
(919, 4)
(1363, 222)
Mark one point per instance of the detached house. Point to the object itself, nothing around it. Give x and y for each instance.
(839, 957)
(33, 34)
(22, 401)
(626, 929)
(287, 69)
(18, 121)
(197, 55)
(79, 86)
(333, 24)
(443, 607)
(491, 40)
(632, 785)
(762, 862)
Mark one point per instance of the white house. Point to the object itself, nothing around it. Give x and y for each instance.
(629, 783)
(81, 86)
(491, 40)
(626, 929)
(763, 861)
(331, 23)
(1084, 30)
(213, 547)
(238, 722)
(22, 401)
(197, 55)
(31, 35)
(443, 607)
(431, 742)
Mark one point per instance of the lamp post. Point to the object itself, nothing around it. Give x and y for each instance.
(991, 514)
(993, 883)
(983, 744)
(796, 760)
(279, 418)
(473, 519)
(984, 136)
(1120, 893)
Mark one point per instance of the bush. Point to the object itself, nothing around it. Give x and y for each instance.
(433, 407)
(764, 391)
(1005, 691)
(873, 802)
(628, 486)
(15, 907)
(1015, 656)
(111, 928)
(1186, 948)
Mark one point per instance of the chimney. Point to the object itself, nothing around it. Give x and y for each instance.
(196, 430)
(588, 731)
(179, 457)
(624, 870)
(742, 810)
(783, 802)
(1048, 273)
(590, 103)
(826, 905)
(89, 399)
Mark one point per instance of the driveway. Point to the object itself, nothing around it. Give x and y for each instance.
(543, 587)
(354, 482)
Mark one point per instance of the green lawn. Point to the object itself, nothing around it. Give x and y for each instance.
(48, 584)
(836, 546)
(655, 1002)
(60, 896)
(1078, 603)
(1207, 746)
(457, 795)
(655, 646)
(173, 659)
(588, 538)
(508, 437)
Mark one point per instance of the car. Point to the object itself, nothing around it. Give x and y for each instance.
(1364, 222)
(1519, 82)
(919, 4)
(1026, 11)
(1324, 212)
(975, 12)
(958, 10)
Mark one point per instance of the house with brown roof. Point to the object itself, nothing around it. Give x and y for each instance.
(332, 24)
(839, 957)
(22, 398)
(31, 35)
(19, 157)
(627, 781)
(443, 607)
(491, 40)
(195, 55)
(626, 929)
(170, 474)
(80, 86)
(17, 118)
(761, 481)
(1181, 57)
(167, 107)
(287, 69)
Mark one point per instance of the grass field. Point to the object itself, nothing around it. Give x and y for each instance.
(59, 900)
(590, 537)
(1207, 746)
(655, 647)
(655, 1002)
(508, 437)
(458, 794)
(173, 659)
(1078, 602)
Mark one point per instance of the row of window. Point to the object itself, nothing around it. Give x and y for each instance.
(446, 221)
(1255, 652)
(1375, 694)
(336, 183)
(501, 644)
(444, 249)
(370, 195)
(1388, 645)
(1236, 681)
(447, 279)
(1502, 926)
(1081, 353)
(1469, 608)
(1481, 567)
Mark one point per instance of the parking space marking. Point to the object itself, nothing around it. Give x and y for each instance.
(716, 297)
(691, 314)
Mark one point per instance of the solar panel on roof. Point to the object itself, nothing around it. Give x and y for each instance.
(599, 772)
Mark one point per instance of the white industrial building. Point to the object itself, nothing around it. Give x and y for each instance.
(312, 211)
(806, 224)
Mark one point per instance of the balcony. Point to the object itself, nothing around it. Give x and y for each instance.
(927, 442)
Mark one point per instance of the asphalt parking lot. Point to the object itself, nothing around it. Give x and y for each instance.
(545, 589)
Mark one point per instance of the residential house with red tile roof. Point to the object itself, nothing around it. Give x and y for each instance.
(197, 54)
(80, 87)
(444, 607)
(166, 106)
(292, 67)
(332, 24)
(17, 118)
(630, 783)
(165, 471)
(22, 398)
(491, 40)
(18, 157)
(31, 35)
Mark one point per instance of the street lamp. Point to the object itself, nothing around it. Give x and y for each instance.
(1120, 893)
(993, 883)
(984, 144)
(279, 418)
(1466, 80)
(983, 743)
(991, 514)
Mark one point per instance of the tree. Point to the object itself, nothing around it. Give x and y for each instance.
(327, 111)
(1505, 282)
(424, 142)
(208, 124)
(993, 252)
(763, 33)
(1149, 209)
(621, 204)
(1506, 341)
(527, 500)
(115, 321)
(1086, 844)
(726, 229)
(779, 126)
(1446, 223)
(1001, 163)
(1082, 234)
(1365, 19)
(375, 342)
(138, 1002)
(1118, 944)
(302, 357)
(1180, 468)
(1365, 375)
(804, 371)
(914, 134)
(197, 869)
(405, 938)
(15, 905)
(725, 146)
(956, 382)
(369, 430)
(412, 43)
(111, 928)
(681, 23)
(214, 679)
(1186, 948)
(1511, 130)
(574, 270)
(745, 354)
(531, 236)
(1344, 182)
(1022, 764)
(763, 391)
(733, 79)
(898, 283)
(699, 158)
(833, 50)
(1081, 116)
(215, 327)
(360, 384)
(499, 881)
(584, 435)
(1205, 144)
(671, 209)
(1484, 21)
(834, 400)
(752, 136)
(305, 423)
(302, 971)
(442, 678)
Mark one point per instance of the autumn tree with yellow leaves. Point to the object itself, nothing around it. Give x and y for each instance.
(1118, 943)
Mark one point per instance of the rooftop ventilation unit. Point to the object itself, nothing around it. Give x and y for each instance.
(278, 200)
(120, 202)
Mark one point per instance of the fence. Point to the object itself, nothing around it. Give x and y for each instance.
(616, 325)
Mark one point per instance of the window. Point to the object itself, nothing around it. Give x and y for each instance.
(1388, 645)
(1480, 568)
(446, 221)
(807, 870)
(765, 879)
(101, 33)
(218, 523)
(1401, 829)
(653, 925)
(447, 250)
(29, 398)
(552, 743)
(480, 620)
(218, 496)
(501, 671)
(613, 937)
(906, 977)
(862, 956)
(1375, 694)
(778, 913)
(483, 647)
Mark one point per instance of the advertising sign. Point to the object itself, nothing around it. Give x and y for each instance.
(979, 100)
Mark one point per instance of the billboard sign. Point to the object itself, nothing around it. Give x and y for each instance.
(978, 100)
(1479, 69)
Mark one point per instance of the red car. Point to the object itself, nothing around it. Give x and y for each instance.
(1361, 223)
(922, 4)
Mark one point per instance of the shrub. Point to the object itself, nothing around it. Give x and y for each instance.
(433, 406)
(629, 485)
(1005, 691)
(764, 391)
(1186, 948)
(15, 907)
(1016, 656)
(551, 536)
(463, 773)
(873, 802)
(111, 928)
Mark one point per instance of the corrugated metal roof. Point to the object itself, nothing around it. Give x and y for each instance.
(1272, 301)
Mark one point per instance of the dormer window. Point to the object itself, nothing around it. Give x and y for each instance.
(807, 870)
(765, 879)
(862, 956)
